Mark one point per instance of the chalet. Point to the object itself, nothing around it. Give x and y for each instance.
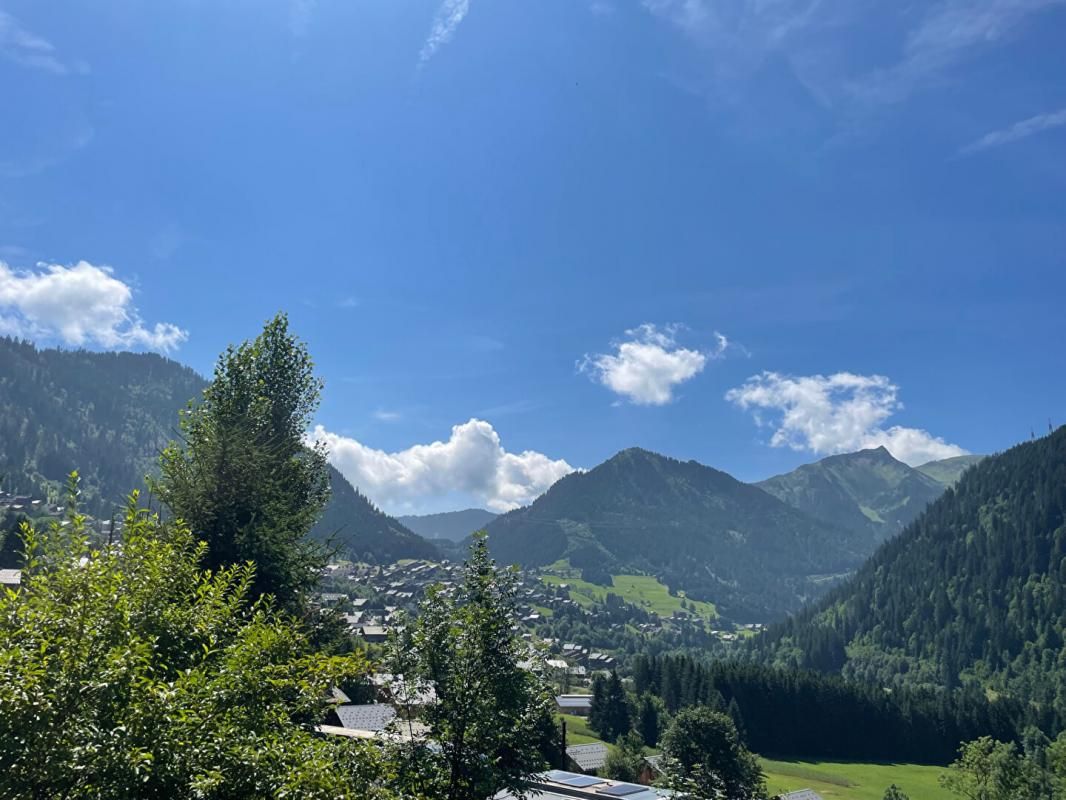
(579, 704)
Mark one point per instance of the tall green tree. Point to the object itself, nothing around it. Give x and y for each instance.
(704, 758)
(131, 672)
(492, 723)
(893, 792)
(609, 713)
(649, 719)
(242, 476)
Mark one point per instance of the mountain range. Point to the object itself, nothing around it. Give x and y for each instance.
(758, 551)
(697, 528)
(867, 491)
(972, 594)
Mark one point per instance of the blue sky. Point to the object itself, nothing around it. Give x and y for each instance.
(520, 236)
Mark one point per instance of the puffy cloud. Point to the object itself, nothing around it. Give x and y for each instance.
(81, 305)
(472, 461)
(647, 365)
(837, 414)
(446, 22)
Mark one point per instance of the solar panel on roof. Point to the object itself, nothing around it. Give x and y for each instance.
(580, 781)
(622, 789)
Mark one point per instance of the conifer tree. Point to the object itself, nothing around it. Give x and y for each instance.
(243, 477)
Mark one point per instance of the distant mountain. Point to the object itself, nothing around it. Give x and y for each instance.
(973, 592)
(452, 525)
(695, 527)
(949, 470)
(865, 491)
(109, 414)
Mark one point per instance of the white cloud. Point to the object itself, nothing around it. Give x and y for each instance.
(838, 413)
(446, 22)
(821, 42)
(648, 365)
(947, 33)
(80, 305)
(27, 49)
(381, 415)
(472, 461)
(1017, 131)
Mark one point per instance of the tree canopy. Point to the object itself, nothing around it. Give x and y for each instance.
(130, 671)
(243, 477)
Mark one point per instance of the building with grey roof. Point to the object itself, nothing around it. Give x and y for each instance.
(588, 757)
(371, 717)
(560, 785)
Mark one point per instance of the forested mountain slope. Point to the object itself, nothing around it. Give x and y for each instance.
(697, 528)
(109, 414)
(869, 491)
(972, 593)
(105, 414)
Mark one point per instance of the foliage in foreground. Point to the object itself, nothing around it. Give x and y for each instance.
(132, 672)
(991, 770)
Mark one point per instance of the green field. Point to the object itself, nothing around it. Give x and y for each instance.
(852, 781)
(644, 591)
(578, 730)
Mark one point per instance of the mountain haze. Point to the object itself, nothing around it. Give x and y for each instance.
(451, 525)
(699, 529)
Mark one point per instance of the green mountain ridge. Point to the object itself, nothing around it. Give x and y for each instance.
(866, 491)
(948, 471)
(972, 594)
(695, 527)
(109, 414)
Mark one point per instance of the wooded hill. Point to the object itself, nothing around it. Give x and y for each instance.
(109, 414)
(697, 528)
(971, 594)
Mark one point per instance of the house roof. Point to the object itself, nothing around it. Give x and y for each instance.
(803, 794)
(588, 756)
(10, 577)
(574, 701)
(371, 717)
(558, 784)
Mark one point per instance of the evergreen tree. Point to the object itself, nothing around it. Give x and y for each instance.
(893, 792)
(242, 477)
(616, 718)
(492, 724)
(648, 720)
(738, 720)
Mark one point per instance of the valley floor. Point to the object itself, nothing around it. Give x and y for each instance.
(854, 781)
